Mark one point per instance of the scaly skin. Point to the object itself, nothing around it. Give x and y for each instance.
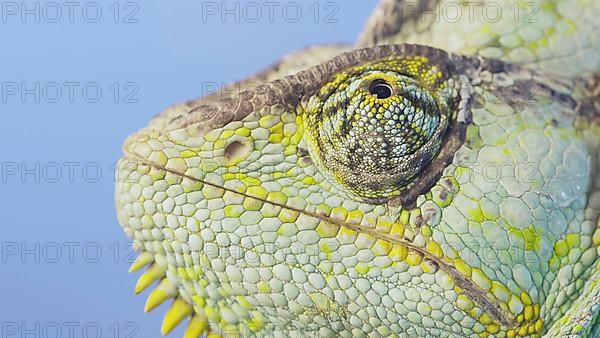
(292, 210)
(554, 36)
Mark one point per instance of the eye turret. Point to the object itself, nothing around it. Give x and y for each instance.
(374, 128)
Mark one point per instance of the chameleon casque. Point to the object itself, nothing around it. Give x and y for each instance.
(438, 179)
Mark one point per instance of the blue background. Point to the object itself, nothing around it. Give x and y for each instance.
(167, 55)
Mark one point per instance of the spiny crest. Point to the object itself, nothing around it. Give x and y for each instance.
(179, 310)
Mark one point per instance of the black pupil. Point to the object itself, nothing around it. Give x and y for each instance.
(381, 89)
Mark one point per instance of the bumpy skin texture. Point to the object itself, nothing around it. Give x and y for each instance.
(555, 36)
(240, 211)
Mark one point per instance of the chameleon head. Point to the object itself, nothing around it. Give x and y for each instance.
(272, 212)
(375, 127)
(242, 203)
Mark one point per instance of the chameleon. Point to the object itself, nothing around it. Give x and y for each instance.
(437, 179)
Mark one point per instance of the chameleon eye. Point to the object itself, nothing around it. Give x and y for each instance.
(381, 89)
(374, 128)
